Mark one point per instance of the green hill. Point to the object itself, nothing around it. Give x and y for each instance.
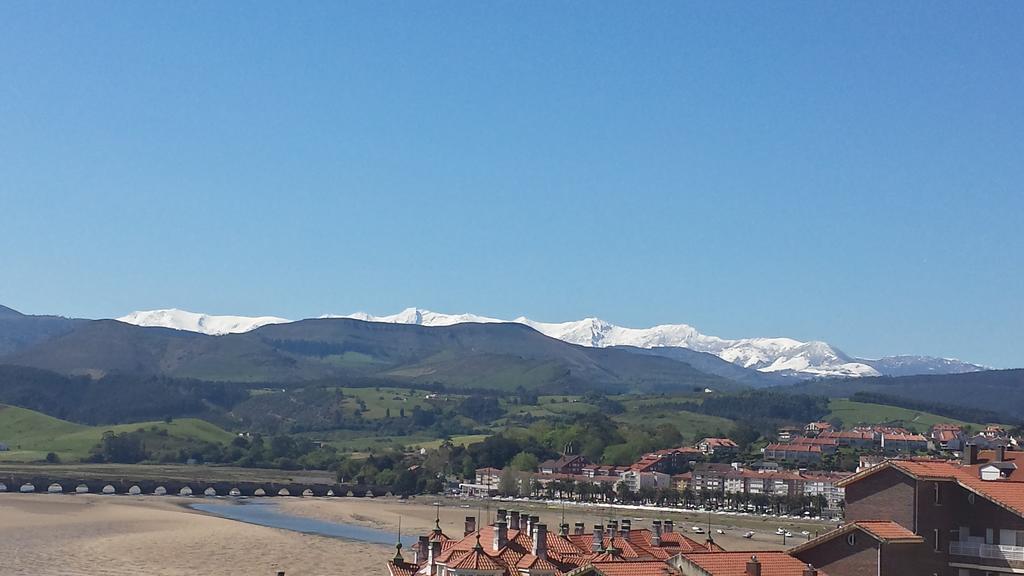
(852, 413)
(495, 356)
(31, 435)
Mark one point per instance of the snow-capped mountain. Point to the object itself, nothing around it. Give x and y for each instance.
(780, 356)
(203, 323)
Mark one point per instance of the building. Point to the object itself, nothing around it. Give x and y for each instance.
(816, 428)
(827, 485)
(929, 516)
(520, 545)
(793, 453)
(827, 445)
(489, 478)
(788, 433)
(947, 437)
(747, 563)
(898, 442)
(669, 461)
(567, 464)
(717, 446)
(635, 480)
(3, 447)
(859, 439)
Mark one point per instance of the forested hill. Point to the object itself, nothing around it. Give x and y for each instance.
(994, 391)
(489, 356)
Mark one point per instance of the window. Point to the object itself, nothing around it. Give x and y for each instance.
(938, 494)
(936, 533)
(851, 539)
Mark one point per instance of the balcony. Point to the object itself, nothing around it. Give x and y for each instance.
(987, 554)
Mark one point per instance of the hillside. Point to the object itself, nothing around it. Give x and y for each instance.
(494, 356)
(997, 391)
(30, 435)
(852, 413)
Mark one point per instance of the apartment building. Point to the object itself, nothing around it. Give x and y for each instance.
(929, 517)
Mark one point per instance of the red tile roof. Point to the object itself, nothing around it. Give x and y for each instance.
(793, 447)
(1007, 492)
(885, 531)
(773, 563)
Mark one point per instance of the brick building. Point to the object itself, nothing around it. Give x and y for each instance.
(929, 517)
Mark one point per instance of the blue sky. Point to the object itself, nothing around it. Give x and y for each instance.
(841, 171)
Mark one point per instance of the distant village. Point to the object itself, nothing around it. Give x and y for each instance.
(946, 504)
(787, 478)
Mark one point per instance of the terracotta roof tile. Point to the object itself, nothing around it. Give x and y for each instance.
(773, 563)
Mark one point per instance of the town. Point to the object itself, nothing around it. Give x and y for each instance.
(957, 511)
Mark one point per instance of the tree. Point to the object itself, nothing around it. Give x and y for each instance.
(524, 461)
(52, 458)
(744, 435)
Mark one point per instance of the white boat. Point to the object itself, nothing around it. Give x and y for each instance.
(749, 534)
(697, 530)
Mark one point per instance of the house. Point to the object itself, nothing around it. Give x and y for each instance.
(746, 563)
(865, 461)
(567, 464)
(827, 445)
(719, 446)
(669, 461)
(816, 428)
(929, 516)
(516, 544)
(488, 477)
(859, 439)
(947, 437)
(793, 453)
(788, 433)
(898, 442)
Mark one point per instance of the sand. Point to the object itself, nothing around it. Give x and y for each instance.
(79, 535)
(95, 535)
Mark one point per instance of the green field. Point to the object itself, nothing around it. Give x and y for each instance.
(853, 413)
(689, 424)
(31, 435)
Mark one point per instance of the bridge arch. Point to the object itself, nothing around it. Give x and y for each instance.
(55, 488)
(109, 489)
(160, 491)
(81, 489)
(135, 490)
(25, 488)
(185, 491)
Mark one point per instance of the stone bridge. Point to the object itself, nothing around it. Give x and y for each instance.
(41, 483)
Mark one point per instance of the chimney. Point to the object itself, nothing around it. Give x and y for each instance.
(502, 515)
(513, 519)
(626, 525)
(500, 535)
(810, 571)
(1000, 453)
(669, 526)
(753, 567)
(435, 551)
(422, 550)
(656, 537)
(534, 520)
(578, 528)
(563, 529)
(598, 541)
(970, 455)
(540, 541)
(470, 526)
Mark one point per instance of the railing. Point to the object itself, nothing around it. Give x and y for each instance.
(978, 550)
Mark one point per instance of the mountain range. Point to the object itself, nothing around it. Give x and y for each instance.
(778, 359)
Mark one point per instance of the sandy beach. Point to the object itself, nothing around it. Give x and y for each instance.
(93, 535)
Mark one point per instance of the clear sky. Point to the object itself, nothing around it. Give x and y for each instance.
(846, 171)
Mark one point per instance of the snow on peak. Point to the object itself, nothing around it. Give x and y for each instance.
(195, 322)
(419, 316)
(776, 355)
